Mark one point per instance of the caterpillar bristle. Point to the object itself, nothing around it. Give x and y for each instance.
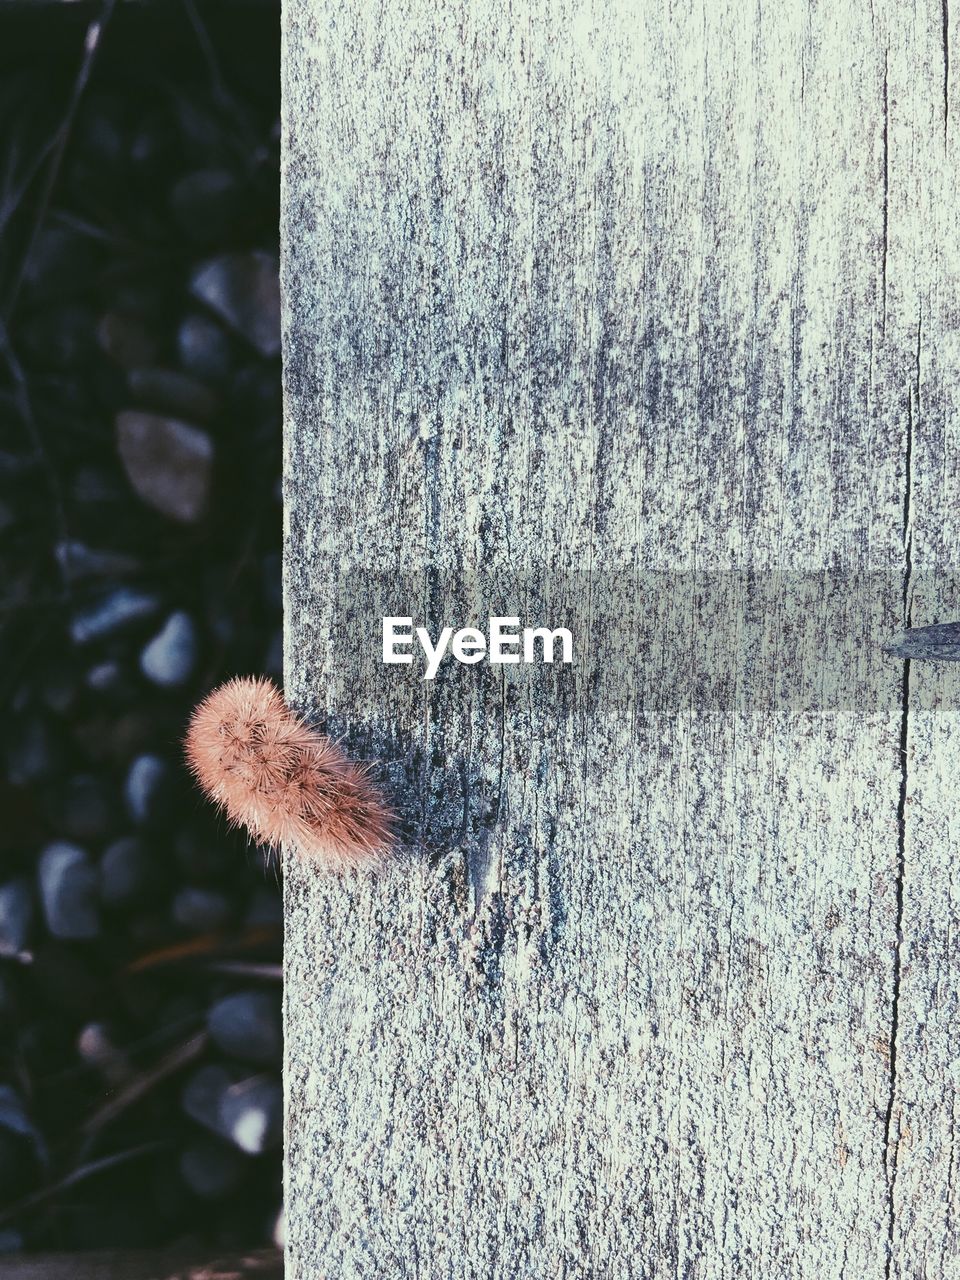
(289, 785)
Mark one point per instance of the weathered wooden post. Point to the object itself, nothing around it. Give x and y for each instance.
(641, 318)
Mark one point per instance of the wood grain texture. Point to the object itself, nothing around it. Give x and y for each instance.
(576, 293)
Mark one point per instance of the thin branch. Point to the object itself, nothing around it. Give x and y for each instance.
(174, 1061)
(209, 53)
(15, 191)
(245, 969)
(91, 45)
(21, 394)
(85, 1171)
(204, 945)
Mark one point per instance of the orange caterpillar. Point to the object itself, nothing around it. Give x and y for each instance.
(287, 783)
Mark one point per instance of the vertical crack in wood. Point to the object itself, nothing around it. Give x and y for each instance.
(891, 1141)
(945, 17)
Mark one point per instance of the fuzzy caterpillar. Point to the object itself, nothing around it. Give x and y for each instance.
(288, 784)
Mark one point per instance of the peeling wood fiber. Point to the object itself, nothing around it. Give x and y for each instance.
(574, 293)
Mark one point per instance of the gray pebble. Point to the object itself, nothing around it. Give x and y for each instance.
(126, 872)
(203, 1094)
(68, 891)
(175, 393)
(98, 1049)
(16, 916)
(125, 340)
(112, 612)
(204, 348)
(145, 780)
(15, 1121)
(251, 1114)
(279, 1233)
(60, 261)
(167, 462)
(59, 690)
(78, 561)
(13, 1115)
(104, 677)
(244, 290)
(169, 658)
(200, 909)
(211, 1169)
(30, 754)
(248, 1026)
(15, 465)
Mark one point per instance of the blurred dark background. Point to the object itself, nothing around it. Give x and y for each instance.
(140, 528)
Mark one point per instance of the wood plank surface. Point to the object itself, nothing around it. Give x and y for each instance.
(641, 317)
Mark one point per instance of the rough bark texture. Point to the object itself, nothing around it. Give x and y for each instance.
(661, 986)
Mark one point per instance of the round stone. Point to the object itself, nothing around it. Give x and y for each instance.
(169, 658)
(68, 891)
